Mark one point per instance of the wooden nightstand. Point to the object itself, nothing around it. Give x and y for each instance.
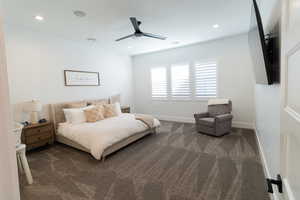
(37, 135)
(125, 109)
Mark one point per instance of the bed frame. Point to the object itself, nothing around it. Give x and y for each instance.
(58, 117)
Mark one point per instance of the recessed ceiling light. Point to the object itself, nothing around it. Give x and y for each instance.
(79, 13)
(91, 39)
(216, 26)
(39, 18)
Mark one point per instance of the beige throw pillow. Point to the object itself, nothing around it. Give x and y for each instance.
(94, 114)
(98, 102)
(110, 110)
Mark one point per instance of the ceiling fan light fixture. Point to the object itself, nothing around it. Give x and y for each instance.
(134, 37)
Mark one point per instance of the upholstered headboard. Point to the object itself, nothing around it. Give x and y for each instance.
(57, 113)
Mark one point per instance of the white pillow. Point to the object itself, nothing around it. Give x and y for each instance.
(118, 108)
(76, 115)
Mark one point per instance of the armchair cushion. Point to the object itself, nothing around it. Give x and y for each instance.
(201, 115)
(220, 109)
(224, 117)
(207, 121)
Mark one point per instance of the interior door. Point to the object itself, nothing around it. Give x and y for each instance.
(290, 99)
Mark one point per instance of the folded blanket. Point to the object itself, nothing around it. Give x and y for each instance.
(146, 119)
(218, 101)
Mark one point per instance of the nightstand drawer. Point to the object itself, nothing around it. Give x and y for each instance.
(38, 130)
(39, 137)
(37, 144)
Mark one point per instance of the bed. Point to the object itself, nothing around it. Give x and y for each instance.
(103, 137)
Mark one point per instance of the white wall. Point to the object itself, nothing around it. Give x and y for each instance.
(267, 107)
(36, 62)
(267, 101)
(9, 187)
(235, 79)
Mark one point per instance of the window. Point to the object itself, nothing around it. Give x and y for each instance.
(206, 80)
(184, 82)
(159, 83)
(180, 79)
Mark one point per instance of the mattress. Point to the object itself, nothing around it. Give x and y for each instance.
(96, 137)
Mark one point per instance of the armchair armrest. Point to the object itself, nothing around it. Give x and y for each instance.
(225, 117)
(201, 115)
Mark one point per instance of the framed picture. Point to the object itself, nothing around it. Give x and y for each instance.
(81, 78)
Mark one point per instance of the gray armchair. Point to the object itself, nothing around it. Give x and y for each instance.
(217, 121)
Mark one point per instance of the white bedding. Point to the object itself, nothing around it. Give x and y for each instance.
(99, 135)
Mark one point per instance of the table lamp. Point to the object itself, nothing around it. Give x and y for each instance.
(114, 99)
(34, 107)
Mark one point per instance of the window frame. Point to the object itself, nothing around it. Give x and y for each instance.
(190, 84)
(151, 86)
(192, 71)
(217, 80)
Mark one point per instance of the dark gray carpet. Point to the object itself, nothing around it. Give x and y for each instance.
(176, 164)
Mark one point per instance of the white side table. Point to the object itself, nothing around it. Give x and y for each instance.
(22, 162)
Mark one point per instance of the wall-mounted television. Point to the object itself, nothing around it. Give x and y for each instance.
(265, 50)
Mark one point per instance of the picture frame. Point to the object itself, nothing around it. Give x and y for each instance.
(81, 78)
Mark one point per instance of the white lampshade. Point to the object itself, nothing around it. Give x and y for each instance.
(33, 106)
(114, 99)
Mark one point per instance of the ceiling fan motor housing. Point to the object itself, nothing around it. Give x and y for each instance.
(138, 33)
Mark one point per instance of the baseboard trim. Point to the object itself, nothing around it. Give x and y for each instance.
(239, 124)
(175, 119)
(273, 196)
(287, 190)
(236, 124)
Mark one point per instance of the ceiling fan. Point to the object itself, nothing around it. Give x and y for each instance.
(139, 33)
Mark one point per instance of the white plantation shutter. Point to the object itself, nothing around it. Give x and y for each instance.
(180, 82)
(159, 82)
(206, 80)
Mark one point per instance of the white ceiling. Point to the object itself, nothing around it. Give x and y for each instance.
(187, 21)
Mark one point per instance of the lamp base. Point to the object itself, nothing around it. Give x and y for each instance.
(34, 118)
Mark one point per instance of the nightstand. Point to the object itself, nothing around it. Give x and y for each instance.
(125, 109)
(37, 135)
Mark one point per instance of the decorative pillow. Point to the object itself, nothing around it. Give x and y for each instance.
(94, 114)
(77, 105)
(110, 110)
(76, 115)
(98, 102)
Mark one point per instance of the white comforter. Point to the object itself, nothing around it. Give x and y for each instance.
(99, 135)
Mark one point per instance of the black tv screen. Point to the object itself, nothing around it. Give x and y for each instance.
(259, 49)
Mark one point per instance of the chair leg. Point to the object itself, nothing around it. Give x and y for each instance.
(20, 167)
(103, 159)
(154, 131)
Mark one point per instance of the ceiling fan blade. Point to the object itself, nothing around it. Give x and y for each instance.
(154, 36)
(135, 24)
(123, 38)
